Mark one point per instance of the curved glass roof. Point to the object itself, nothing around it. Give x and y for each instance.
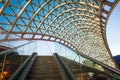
(78, 24)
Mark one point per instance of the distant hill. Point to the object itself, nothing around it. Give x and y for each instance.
(117, 58)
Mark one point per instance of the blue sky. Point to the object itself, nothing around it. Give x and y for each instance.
(113, 31)
(45, 47)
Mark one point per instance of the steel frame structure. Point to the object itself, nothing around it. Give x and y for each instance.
(78, 24)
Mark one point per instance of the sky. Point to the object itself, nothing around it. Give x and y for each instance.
(45, 47)
(113, 31)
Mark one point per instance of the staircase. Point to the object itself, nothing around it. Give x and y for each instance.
(44, 68)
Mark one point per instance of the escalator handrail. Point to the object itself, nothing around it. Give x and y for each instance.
(64, 76)
(21, 69)
(27, 68)
(64, 69)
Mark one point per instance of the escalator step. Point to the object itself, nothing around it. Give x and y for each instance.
(44, 68)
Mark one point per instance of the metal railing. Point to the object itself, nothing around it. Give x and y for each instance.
(113, 70)
(10, 50)
(81, 58)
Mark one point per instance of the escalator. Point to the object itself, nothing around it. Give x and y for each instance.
(53, 68)
(44, 68)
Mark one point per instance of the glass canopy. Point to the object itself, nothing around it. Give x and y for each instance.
(78, 24)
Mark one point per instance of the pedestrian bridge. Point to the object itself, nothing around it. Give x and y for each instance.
(77, 24)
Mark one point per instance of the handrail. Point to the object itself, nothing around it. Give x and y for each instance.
(27, 68)
(64, 76)
(7, 45)
(10, 50)
(64, 69)
(117, 71)
(102, 64)
(80, 64)
(24, 68)
(112, 69)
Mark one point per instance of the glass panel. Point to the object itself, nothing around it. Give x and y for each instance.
(82, 67)
(11, 58)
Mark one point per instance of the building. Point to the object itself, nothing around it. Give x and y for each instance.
(80, 25)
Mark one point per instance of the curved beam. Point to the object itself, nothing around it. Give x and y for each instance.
(70, 17)
(67, 23)
(66, 11)
(104, 31)
(72, 28)
(66, 30)
(36, 14)
(84, 3)
(112, 6)
(18, 16)
(85, 27)
(51, 12)
(79, 31)
(64, 42)
(3, 7)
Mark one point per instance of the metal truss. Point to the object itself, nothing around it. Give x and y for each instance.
(78, 24)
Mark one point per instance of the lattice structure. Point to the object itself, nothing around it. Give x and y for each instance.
(79, 24)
